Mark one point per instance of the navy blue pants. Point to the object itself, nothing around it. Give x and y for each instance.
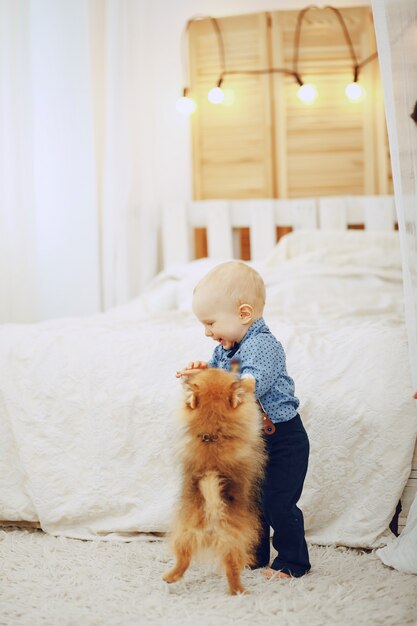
(286, 468)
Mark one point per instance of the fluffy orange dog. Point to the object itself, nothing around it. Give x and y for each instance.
(222, 460)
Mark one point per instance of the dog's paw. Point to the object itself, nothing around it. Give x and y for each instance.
(171, 577)
(239, 590)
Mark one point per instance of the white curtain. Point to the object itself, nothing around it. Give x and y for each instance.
(78, 210)
(396, 29)
(17, 222)
(124, 130)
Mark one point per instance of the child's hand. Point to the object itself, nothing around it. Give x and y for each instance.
(192, 368)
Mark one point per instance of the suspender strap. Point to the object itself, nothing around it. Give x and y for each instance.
(268, 425)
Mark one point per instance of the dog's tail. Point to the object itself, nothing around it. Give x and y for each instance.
(211, 489)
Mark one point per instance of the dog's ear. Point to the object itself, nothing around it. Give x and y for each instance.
(236, 394)
(191, 393)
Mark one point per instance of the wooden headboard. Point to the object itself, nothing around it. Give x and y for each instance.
(223, 218)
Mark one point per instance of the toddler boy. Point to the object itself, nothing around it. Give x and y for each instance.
(229, 302)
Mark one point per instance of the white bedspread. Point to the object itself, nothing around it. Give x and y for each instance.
(87, 406)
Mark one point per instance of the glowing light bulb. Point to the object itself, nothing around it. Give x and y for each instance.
(185, 105)
(354, 92)
(215, 95)
(307, 93)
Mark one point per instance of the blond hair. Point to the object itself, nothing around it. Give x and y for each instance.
(239, 282)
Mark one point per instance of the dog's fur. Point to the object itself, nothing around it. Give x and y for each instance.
(218, 508)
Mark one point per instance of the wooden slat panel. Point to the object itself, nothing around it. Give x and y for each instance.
(200, 243)
(232, 155)
(279, 112)
(333, 213)
(379, 213)
(245, 247)
(238, 244)
(325, 140)
(367, 77)
(267, 142)
(262, 230)
(219, 230)
(225, 219)
(353, 209)
(283, 212)
(304, 215)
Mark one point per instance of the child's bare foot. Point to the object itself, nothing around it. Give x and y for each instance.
(270, 573)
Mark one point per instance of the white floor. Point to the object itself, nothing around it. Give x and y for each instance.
(61, 582)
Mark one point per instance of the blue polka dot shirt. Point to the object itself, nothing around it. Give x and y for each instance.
(262, 356)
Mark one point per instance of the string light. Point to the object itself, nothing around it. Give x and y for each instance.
(216, 95)
(354, 92)
(307, 92)
(185, 104)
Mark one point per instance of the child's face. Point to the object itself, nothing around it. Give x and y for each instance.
(221, 320)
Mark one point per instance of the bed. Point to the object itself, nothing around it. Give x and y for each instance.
(88, 426)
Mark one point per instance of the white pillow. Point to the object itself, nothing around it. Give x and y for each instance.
(355, 247)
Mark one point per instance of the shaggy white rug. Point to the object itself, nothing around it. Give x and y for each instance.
(65, 582)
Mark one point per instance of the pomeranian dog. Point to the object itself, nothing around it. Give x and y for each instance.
(223, 459)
